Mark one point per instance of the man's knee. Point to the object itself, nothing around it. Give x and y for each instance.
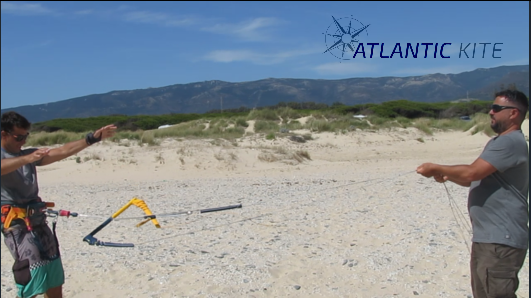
(56, 292)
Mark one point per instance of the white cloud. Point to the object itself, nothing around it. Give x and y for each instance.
(124, 7)
(250, 30)
(123, 12)
(157, 18)
(253, 30)
(19, 8)
(227, 56)
(84, 12)
(345, 68)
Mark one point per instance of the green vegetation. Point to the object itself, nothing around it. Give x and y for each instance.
(272, 122)
(129, 123)
(282, 111)
(58, 137)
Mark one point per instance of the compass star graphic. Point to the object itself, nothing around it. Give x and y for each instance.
(339, 40)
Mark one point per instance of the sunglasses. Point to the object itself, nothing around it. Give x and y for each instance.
(20, 138)
(498, 108)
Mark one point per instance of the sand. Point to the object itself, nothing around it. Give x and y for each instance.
(354, 220)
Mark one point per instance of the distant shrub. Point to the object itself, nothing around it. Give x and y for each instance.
(231, 124)
(292, 110)
(240, 121)
(318, 125)
(265, 126)
(293, 125)
(287, 113)
(270, 136)
(263, 114)
(53, 138)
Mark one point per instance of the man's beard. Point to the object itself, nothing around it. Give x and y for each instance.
(498, 127)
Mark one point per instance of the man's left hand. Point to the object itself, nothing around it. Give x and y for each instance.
(426, 169)
(105, 132)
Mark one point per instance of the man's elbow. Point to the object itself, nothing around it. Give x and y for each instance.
(471, 176)
(5, 171)
(468, 177)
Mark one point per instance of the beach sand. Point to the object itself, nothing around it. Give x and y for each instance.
(354, 220)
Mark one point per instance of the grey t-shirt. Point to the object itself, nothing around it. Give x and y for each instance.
(20, 186)
(498, 204)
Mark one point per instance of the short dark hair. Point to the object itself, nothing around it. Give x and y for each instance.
(515, 97)
(12, 119)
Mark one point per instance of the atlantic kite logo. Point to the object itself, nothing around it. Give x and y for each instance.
(343, 35)
(348, 39)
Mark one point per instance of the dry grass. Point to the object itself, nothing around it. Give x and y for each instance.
(92, 156)
(282, 154)
(159, 158)
(226, 134)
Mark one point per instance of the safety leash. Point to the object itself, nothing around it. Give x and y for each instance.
(455, 211)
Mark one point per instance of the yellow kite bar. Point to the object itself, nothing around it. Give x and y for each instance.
(135, 201)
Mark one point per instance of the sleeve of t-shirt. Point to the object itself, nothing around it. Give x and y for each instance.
(499, 154)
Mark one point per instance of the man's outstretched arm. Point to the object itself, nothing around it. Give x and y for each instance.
(64, 151)
(74, 147)
(459, 174)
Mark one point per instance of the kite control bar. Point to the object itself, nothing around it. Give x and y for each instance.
(148, 217)
(91, 240)
(220, 208)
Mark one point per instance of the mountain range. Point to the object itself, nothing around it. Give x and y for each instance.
(201, 97)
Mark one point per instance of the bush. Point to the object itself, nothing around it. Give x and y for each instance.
(287, 113)
(391, 110)
(240, 121)
(270, 136)
(263, 114)
(318, 125)
(265, 126)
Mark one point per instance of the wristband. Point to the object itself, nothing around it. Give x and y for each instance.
(90, 139)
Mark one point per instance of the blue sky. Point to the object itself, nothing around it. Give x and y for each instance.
(52, 51)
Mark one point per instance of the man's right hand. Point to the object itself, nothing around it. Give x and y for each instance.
(440, 178)
(37, 155)
(12, 164)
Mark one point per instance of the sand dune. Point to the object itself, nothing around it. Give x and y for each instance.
(353, 220)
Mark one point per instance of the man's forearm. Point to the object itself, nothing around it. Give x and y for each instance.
(11, 164)
(64, 151)
(459, 182)
(72, 148)
(460, 174)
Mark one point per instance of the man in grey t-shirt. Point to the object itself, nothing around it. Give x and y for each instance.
(497, 200)
(38, 268)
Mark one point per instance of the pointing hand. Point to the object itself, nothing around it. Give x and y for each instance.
(105, 132)
(38, 154)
